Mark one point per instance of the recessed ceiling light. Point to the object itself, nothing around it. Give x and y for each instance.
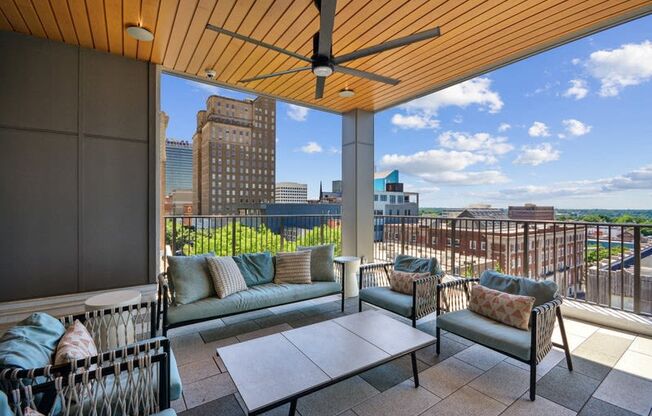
(322, 70)
(347, 93)
(140, 33)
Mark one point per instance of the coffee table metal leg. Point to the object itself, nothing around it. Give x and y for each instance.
(413, 355)
(293, 407)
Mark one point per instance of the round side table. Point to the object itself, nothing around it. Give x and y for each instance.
(351, 268)
(115, 331)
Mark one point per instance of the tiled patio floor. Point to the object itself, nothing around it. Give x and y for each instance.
(613, 373)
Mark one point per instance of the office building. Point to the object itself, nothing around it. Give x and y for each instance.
(234, 148)
(531, 212)
(178, 166)
(291, 193)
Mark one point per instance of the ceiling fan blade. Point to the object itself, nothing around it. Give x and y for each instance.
(319, 90)
(367, 75)
(257, 42)
(326, 23)
(276, 74)
(391, 44)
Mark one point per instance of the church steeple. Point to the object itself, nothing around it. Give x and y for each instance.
(321, 193)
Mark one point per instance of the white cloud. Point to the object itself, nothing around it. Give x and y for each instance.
(476, 91)
(577, 90)
(297, 113)
(536, 155)
(334, 150)
(311, 147)
(631, 64)
(415, 121)
(634, 180)
(538, 129)
(504, 127)
(576, 127)
(482, 143)
(209, 88)
(576, 61)
(458, 119)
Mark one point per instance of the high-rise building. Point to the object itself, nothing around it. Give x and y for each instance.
(178, 167)
(234, 155)
(291, 193)
(531, 212)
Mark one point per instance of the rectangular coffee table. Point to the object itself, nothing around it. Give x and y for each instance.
(277, 369)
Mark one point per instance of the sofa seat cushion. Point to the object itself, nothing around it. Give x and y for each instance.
(488, 332)
(384, 297)
(256, 297)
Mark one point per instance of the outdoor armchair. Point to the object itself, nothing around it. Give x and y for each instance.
(528, 346)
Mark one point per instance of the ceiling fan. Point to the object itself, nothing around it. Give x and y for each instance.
(322, 62)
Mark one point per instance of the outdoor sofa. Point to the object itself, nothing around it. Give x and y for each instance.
(187, 294)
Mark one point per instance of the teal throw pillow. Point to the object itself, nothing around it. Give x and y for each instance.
(256, 268)
(190, 278)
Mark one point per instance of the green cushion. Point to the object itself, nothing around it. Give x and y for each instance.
(166, 412)
(31, 343)
(321, 262)
(256, 268)
(256, 297)
(542, 290)
(175, 378)
(190, 278)
(388, 299)
(488, 332)
(412, 264)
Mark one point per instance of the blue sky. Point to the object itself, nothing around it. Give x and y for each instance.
(570, 127)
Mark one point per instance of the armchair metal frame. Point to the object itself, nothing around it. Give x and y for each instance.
(455, 295)
(424, 290)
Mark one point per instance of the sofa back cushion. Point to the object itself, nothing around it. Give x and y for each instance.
(190, 278)
(226, 275)
(256, 268)
(293, 267)
(402, 281)
(321, 262)
(512, 310)
(412, 264)
(542, 291)
(31, 343)
(75, 344)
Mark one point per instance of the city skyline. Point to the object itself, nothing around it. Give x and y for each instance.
(559, 128)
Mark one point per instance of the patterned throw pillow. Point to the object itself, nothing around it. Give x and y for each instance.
(402, 281)
(226, 275)
(512, 310)
(75, 344)
(293, 267)
(31, 412)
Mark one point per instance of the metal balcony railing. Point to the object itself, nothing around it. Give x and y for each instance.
(598, 263)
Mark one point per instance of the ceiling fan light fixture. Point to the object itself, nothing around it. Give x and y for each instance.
(140, 33)
(322, 70)
(347, 93)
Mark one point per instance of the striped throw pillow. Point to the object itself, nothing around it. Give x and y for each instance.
(293, 267)
(226, 275)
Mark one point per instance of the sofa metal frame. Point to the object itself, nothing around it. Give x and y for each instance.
(455, 295)
(166, 298)
(424, 290)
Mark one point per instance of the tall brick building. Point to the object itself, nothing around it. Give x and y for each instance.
(234, 156)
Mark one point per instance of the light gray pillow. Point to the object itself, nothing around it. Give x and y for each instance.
(190, 278)
(321, 262)
(226, 275)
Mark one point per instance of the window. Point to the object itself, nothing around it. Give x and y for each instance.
(434, 241)
(473, 244)
(392, 199)
(375, 197)
(413, 238)
(448, 242)
(483, 245)
(457, 242)
(383, 198)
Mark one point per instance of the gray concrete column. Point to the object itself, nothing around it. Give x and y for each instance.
(358, 184)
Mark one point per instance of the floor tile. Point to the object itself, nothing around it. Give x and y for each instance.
(248, 316)
(466, 402)
(583, 329)
(642, 344)
(504, 382)
(228, 331)
(401, 400)
(626, 391)
(459, 339)
(567, 388)
(336, 398)
(277, 319)
(178, 405)
(220, 363)
(617, 333)
(481, 357)
(540, 407)
(393, 373)
(587, 367)
(428, 327)
(277, 411)
(263, 332)
(448, 348)
(597, 407)
(225, 406)
(604, 347)
(446, 377)
(548, 363)
(309, 320)
(636, 364)
(574, 340)
(208, 389)
(194, 328)
(198, 370)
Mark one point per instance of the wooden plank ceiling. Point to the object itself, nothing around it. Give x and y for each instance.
(477, 35)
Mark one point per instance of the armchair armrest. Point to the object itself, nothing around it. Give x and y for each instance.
(454, 295)
(424, 295)
(542, 324)
(374, 274)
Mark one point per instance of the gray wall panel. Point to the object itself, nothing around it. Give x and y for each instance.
(38, 83)
(38, 184)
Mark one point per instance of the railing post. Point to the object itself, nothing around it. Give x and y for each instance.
(526, 249)
(174, 236)
(233, 253)
(453, 226)
(402, 235)
(280, 230)
(637, 269)
(321, 230)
